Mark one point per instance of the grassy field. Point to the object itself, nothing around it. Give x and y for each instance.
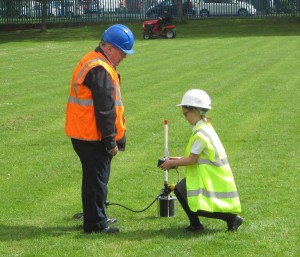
(250, 68)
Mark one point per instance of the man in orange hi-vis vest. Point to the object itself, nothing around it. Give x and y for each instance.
(95, 121)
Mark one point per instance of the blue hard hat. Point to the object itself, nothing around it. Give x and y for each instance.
(120, 37)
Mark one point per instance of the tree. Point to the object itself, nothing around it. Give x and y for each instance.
(180, 10)
(44, 16)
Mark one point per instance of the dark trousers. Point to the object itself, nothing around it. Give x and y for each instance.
(95, 163)
(181, 194)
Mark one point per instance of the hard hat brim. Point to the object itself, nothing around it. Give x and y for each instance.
(207, 108)
(128, 51)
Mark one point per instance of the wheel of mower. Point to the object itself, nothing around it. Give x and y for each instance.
(170, 33)
(146, 35)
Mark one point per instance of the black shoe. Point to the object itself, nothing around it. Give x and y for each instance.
(235, 223)
(109, 230)
(195, 228)
(111, 221)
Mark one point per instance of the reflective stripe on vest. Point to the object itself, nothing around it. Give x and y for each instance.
(211, 194)
(82, 102)
(218, 163)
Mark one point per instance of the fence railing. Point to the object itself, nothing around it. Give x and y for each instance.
(70, 11)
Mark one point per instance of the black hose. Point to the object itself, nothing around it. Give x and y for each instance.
(107, 204)
(79, 216)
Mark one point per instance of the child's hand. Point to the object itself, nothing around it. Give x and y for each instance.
(167, 164)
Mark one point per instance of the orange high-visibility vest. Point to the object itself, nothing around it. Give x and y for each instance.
(80, 116)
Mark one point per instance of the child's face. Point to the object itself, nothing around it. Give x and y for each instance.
(191, 115)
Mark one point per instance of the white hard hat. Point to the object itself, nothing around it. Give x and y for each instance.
(196, 98)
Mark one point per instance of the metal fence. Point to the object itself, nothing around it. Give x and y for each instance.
(85, 11)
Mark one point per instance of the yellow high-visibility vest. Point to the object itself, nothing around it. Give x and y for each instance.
(210, 183)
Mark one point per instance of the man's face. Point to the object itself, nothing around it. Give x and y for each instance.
(115, 55)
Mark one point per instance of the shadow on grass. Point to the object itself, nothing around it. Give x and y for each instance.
(193, 29)
(171, 233)
(140, 234)
(18, 233)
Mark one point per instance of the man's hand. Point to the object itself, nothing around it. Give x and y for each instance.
(113, 151)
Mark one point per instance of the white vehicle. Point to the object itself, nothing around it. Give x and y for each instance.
(34, 9)
(111, 5)
(207, 8)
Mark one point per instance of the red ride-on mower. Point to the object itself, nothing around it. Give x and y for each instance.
(153, 29)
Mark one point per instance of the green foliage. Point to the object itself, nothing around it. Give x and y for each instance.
(250, 68)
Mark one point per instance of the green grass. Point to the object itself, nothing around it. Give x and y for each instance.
(250, 68)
